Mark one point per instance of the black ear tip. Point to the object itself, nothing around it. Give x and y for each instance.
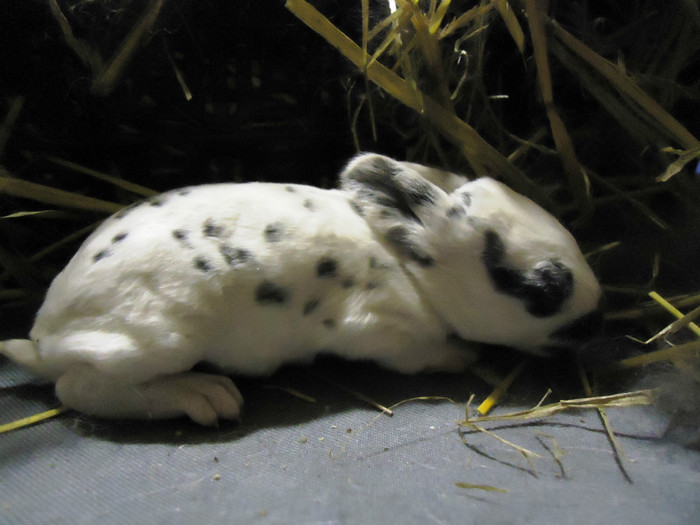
(368, 164)
(370, 170)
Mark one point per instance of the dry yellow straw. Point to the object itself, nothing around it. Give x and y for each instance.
(487, 488)
(674, 311)
(675, 352)
(562, 139)
(495, 396)
(25, 422)
(120, 183)
(628, 88)
(38, 192)
(483, 156)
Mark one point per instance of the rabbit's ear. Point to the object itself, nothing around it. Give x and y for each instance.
(398, 202)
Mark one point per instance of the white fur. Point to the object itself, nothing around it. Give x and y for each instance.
(131, 314)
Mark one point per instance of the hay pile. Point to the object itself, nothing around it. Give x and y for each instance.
(590, 108)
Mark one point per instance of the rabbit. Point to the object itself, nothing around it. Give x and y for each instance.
(409, 266)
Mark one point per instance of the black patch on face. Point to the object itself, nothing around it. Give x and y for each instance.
(119, 237)
(400, 237)
(211, 229)
(329, 323)
(234, 256)
(580, 330)
(268, 293)
(543, 289)
(309, 205)
(551, 283)
(327, 268)
(311, 306)
(101, 255)
(273, 232)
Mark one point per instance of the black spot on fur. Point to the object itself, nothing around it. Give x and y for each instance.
(101, 255)
(184, 192)
(327, 268)
(371, 285)
(543, 289)
(211, 229)
(290, 189)
(268, 293)
(357, 208)
(329, 323)
(382, 199)
(418, 192)
(119, 237)
(401, 238)
(456, 212)
(235, 256)
(467, 199)
(273, 232)
(311, 306)
(348, 283)
(156, 201)
(201, 264)
(309, 205)
(180, 235)
(426, 261)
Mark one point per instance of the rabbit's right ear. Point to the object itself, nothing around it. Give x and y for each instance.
(396, 201)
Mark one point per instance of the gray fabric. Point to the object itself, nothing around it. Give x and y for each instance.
(339, 461)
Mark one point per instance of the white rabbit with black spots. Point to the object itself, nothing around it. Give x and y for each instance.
(405, 265)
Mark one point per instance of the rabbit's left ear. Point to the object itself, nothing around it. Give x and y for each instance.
(397, 201)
